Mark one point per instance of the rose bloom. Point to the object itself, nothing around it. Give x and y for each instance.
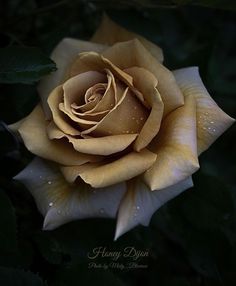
(116, 134)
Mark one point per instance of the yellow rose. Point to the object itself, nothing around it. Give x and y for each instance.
(122, 131)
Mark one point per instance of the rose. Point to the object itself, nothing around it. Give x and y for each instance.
(123, 131)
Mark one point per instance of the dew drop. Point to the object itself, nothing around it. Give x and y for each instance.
(138, 207)
(49, 182)
(214, 130)
(212, 122)
(209, 128)
(50, 204)
(204, 128)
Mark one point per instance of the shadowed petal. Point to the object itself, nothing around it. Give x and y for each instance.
(61, 120)
(139, 203)
(133, 54)
(104, 174)
(60, 202)
(146, 83)
(176, 148)
(88, 61)
(63, 55)
(211, 120)
(34, 135)
(106, 145)
(109, 33)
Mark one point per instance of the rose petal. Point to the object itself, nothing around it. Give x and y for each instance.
(60, 202)
(146, 83)
(105, 174)
(139, 203)
(76, 87)
(106, 145)
(130, 54)
(82, 123)
(60, 119)
(211, 120)
(96, 62)
(128, 116)
(33, 133)
(176, 148)
(109, 33)
(63, 55)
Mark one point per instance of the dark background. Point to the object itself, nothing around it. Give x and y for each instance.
(191, 240)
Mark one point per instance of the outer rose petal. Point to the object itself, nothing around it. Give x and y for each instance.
(60, 202)
(63, 55)
(211, 120)
(109, 33)
(132, 53)
(176, 148)
(139, 203)
(104, 174)
(34, 135)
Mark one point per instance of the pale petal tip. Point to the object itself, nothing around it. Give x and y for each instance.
(119, 231)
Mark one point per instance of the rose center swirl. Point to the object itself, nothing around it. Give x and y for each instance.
(99, 105)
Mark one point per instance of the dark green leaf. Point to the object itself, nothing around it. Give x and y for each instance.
(23, 65)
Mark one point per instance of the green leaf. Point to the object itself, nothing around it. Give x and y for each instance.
(23, 65)
(16, 277)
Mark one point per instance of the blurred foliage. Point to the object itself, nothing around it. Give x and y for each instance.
(191, 240)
